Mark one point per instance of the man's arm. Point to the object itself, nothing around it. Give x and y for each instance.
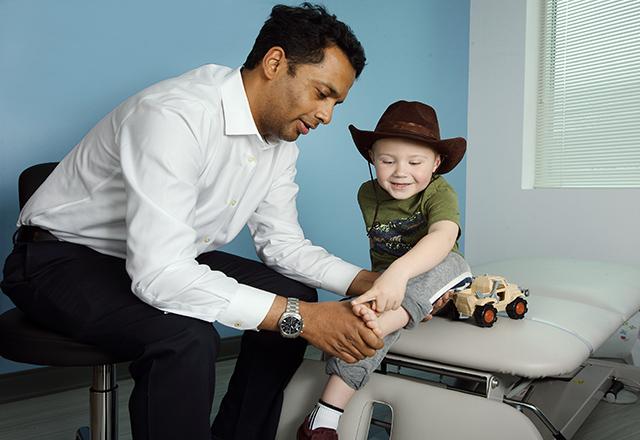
(280, 241)
(331, 327)
(362, 282)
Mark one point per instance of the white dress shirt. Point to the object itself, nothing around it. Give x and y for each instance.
(175, 171)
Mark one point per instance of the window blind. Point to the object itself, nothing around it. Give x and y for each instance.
(588, 109)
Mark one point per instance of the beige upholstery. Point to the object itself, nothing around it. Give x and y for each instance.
(524, 348)
(418, 411)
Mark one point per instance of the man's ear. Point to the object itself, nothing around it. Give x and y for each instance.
(274, 61)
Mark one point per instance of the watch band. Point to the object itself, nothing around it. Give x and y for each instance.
(293, 306)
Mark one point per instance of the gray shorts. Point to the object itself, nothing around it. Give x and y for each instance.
(450, 272)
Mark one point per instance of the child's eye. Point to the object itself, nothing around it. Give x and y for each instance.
(387, 162)
(415, 163)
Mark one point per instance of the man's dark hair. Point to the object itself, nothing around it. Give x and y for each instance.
(304, 32)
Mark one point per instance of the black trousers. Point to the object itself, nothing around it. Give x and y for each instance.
(86, 295)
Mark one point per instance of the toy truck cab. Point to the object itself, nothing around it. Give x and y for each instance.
(486, 296)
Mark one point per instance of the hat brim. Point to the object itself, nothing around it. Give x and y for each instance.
(451, 150)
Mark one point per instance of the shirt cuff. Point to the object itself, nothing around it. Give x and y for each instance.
(247, 309)
(339, 277)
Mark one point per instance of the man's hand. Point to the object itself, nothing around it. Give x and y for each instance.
(333, 328)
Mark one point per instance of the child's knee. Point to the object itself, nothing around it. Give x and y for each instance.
(354, 375)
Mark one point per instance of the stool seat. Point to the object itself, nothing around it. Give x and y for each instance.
(23, 341)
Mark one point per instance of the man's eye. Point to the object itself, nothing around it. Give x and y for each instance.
(321, 95)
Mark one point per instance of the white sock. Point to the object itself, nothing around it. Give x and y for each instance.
(324, 416)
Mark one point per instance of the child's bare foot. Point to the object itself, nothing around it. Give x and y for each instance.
(369, 317)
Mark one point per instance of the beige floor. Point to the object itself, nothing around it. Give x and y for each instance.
(56, 416)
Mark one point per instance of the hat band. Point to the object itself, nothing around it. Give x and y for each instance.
(408, 128)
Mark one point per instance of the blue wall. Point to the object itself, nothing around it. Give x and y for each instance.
(64, 65)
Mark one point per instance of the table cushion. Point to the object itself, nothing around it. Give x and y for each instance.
(574, 306)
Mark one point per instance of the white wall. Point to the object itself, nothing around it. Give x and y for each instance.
(504, 220)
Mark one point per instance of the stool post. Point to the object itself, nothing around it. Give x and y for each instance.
(103, 402)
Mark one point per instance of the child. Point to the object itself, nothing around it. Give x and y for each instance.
(413, 224)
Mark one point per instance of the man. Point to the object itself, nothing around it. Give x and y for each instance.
(144, 200)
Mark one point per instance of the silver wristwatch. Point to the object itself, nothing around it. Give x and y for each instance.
(290, 323)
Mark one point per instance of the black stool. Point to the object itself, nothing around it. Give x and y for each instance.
(23, 341)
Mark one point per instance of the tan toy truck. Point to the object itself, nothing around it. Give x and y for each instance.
(486, 296)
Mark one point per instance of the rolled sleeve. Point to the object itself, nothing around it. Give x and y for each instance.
(339, 277)
(247, 309)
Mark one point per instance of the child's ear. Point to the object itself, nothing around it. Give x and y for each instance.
(371, 156)
(437, 163)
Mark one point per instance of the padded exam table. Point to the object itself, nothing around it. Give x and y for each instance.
(520, 379)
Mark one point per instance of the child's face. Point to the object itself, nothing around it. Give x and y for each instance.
(403, 167)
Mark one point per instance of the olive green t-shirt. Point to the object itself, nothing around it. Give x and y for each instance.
(400, 224)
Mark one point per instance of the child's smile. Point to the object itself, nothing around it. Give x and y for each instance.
(403, 166)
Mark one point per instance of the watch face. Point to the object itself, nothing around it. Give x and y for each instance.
(290, 325)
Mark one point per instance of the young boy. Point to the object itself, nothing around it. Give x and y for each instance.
(413, 223)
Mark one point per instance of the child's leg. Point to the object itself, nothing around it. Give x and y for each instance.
(356, 375)
(344, 380)
(422, 288)
(337, 393)
(415, 306)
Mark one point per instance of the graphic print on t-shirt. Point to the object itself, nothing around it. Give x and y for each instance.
(394, 237)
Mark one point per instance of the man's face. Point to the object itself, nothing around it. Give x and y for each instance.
(301, 102)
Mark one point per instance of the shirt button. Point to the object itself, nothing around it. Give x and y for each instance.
(233, 202)
(237, 324)
(206, 239)
(251, 159)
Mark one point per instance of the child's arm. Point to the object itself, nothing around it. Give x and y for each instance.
(430, 251)
(388, 290)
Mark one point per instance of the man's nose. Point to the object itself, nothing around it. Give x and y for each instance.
(325, 113)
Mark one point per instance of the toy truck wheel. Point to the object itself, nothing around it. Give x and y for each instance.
(485, 315)
(517, 308)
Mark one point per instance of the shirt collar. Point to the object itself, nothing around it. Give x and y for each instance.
(238, 119)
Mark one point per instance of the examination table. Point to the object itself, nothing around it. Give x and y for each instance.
(534, 378)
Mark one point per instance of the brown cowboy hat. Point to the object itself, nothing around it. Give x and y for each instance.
(412, 120)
